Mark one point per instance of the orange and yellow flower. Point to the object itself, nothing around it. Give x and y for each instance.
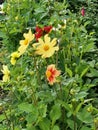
(6, 73)
(25, 43)
(52, 73)
(46, 48)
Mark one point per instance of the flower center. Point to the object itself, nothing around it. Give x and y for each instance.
(46, 47)
(26, 42)
(48, 74)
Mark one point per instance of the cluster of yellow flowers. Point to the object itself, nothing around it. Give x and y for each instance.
(23, 46)
(44, 47)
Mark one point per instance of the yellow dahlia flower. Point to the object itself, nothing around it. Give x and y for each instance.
(24, 43)
(14, 57)
(6, 74)
(46, 48)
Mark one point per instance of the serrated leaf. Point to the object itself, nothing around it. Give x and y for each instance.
(68, 71)
(84, 72)
(85, 117)
(55, 113)
(88, 47)
(81, 95)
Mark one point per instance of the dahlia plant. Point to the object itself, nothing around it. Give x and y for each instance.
(47, 78)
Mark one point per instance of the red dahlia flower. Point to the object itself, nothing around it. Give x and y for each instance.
(41, 31)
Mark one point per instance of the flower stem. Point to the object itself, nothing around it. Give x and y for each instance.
(74, 118)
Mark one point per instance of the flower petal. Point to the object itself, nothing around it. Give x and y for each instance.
(54, 41)
(29, 35)
(40, 41)
(46, 39)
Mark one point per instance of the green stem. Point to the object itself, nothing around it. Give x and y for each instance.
(69, 51)
(12, 126)
(74, 118)
(7, 119)
(56, 59)
(34, 98)
(81, 55)
(64, 1)
(68, 94)
(37, 68)
(63, 117)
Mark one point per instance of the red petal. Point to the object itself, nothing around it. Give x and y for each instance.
(39, 30)
(47, 29)
(37, 35)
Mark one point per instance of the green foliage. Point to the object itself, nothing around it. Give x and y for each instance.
(91, 14)
(29, 101)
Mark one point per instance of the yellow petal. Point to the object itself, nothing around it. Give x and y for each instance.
(35, 44)
(46, 39)
(22, 49)
(6, 73)
(24, 42)
(13, 61)
(6, 78)
(41, 41)
(5, 70)
(29, 35)
(56, 48)
(54, 41)
(15, 54)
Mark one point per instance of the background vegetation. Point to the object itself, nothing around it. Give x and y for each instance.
(28, 101)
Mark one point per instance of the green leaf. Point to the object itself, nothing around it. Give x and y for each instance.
(65, 105)
(81, 95)
(39, 10)
(70, 124)
(85, 116)
(32, 117)
(68, 71)
(26, 107)
(85, 128)
(42, 108)
(84, 72)
(3, 127)
(31, 110)
(30, 127)
(2, 117)
(55, 113)
(78, 107)
(82, 69)
(88, 47)
(44, 124)
(56, 127)
(17, 128)
(2, 35)
(94, 72)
